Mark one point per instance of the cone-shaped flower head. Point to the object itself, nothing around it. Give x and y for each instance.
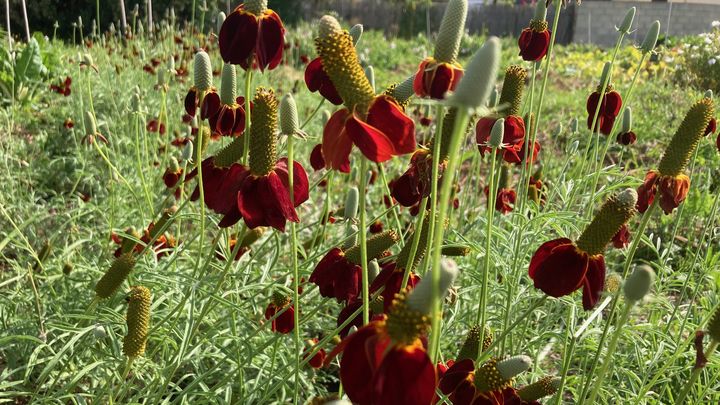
(669, 182)
(541, 388)
(651, 37)
(203, 71)
(627, 22)
(626, 136)
(225, 112)
(115, 276)
(471, 347)
(512, 90)
(252, 36)
(419, 299)
(263, 132)
(535, 39)
(375, 124)
(498, 374)
(559, 267)
(289, 121)
(138, 321)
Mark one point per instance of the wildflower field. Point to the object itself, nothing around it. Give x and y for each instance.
(250, 212)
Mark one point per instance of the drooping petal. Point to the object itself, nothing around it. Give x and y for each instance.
(419, 81)
(238, 37)
(387, 116)
(406, 376)
(279, 207)
(270, 41)
(336, 145)
(317, 79)
(456, 374)
(372, 142)
(357, 365)
(646, 191)
(317, 161)
(533, 44)
(558, 268)
(301, 184)
(210, 106)
(594, 282)
(673, 191)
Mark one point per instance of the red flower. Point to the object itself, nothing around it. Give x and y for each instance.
(68, 124)
(316, 158)
(672, 191)
(531, 158)
(626, 138)
(414, 184)
(513, 138)
(609, 110)
(505, 200)
(316, 361)
(391, 278)
(224, 119)
(458, 384)
(265, 200)
(317, 80)
(62, 88)
(712, 127)
(220, 187)
(192, 99)
(337, 277)
(171, 176)
(376, 370)
(621, 239)
(376, 227)
(252, 41)
(155, 125)
(433, 79)
(559, 268)
(285, 321)
(533, 43)
(385, 132)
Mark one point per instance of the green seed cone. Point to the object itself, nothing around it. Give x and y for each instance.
(544, 387)
(256, 7)
(231, 153)
(402, 91)
(376, 245)
(455, 250)
(512, 90)
(138, 321)
(478, 81)
(713, 327)
(639, 283)
(263, 132)
(164, 218)
(683, 144)
(471, 347)
(420, 298)
(616, 211)
(203, 71)
(451, 31)
(90, 123)
(488, 377)
(114, 277)
(228, 84)
(341, 63)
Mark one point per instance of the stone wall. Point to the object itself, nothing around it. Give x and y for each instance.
(592, 21)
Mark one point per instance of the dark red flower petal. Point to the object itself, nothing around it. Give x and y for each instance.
(626, 138)
(238, 37)
(712, 127)
(533, 44)
(673, 191)
(191, 102)
(301, 185)
(646, 191)
(336, 144)
(270, 41)
(359, 362)
(594, 282)
(317, 79)
(456, 374)
(406, 376)
(558, 268)
(316, 158)
(622, 238)
(210, 106)
(388, 131)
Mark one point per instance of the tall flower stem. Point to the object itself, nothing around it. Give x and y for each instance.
(695, 374)
(296, 273)
(628, 95)
(363, 242)
(610, 352)
(435, 174)
(529, 133)
(616, 297)
(387, 192)
(198, 164)
(456, 137)
(568, 352)
(248, 97)
(415, 242)
(492, 191)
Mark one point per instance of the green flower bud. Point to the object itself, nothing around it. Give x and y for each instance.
(370, 73)
(419, 298)
(228, 84)
(496, 133)
(574, 124)
(203, 71)
(627, 120)
(219, 21)
(289, 121)
(90, 123)
(356, 33)
(479, 78)
(648, 44)
(708, 94)
(352, 201)
(639, 283)
(451, 31)
(627, 23)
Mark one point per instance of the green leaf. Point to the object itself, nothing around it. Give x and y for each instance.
(28, 65)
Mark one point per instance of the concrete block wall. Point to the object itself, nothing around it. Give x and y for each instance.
(595, 20)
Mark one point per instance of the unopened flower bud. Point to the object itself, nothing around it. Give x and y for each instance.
(289, 121)
(639, 283)
(708, 94)
(419, 298)
(479, 78)
(573, 147)
(648, 44)
(624, 28)
(220, 20)
(356, 33)
(451, 31)
(228, 84)
(373, 269)
(351, 231)
(627, 120)
(352, 201)
(187, 152)
(574, 125)
(544, 387)
(203, 71)
(558, 131)
(90, 123)
(497, 133)
(370, 74)
(494, 96)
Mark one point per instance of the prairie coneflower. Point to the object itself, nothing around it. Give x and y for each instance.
(535, 39)
(252, 36)
(138, 321)
(375, 124)
(282, 312)
(385, 361)
(225, 112)
(609, 109)
(560, 267)
(626, 136)
(441, 73)
(316, 361)
(203, 82)
(668, 182)
(338, 274)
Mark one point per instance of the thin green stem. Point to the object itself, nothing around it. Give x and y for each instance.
(482, 305)
(363, 242)
(568, 352)
(415, 243)
(461, 121)
(296, 273)
(246, 132)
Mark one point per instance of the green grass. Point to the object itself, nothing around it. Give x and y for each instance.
(209, 341)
